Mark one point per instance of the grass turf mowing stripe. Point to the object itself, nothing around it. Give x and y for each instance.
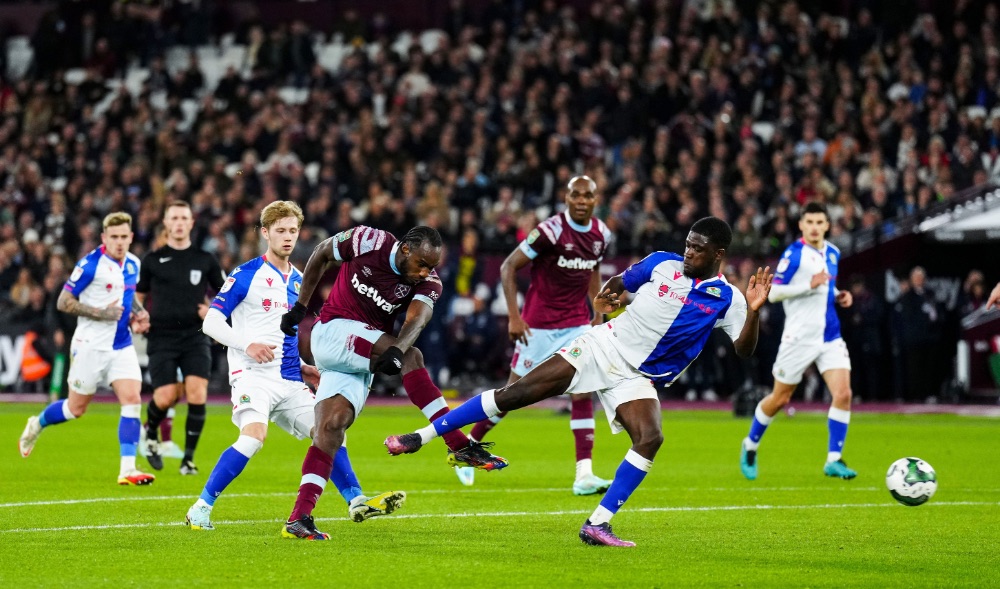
(426, 492)
(519, 514)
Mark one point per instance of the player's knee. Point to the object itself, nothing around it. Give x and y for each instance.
(649, 443)
(77, 410)
(329, 436)
(782, 398)
(842, 394)
(413, 359)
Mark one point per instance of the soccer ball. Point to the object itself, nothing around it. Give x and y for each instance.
(911, 481)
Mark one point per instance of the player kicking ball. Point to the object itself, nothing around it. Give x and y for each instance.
(379, 277)
(266, 375)
(100, 292)
(678, 301)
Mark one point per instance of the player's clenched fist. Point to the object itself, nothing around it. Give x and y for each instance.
(291, 319)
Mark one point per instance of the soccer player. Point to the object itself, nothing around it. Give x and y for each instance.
(565, 253)
(805, 281)
(100, 292)
(266, 374)
(678, 301)
(379, 277)
(177, 277)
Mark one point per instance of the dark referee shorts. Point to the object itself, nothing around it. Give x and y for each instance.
(187, 351)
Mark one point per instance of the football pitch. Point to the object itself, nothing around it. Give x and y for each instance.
(697, 521)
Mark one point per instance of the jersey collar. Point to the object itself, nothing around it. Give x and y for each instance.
(806, 244)
(576, 226)
(699, 281)
(104, 252)
(284, 276)
(392, 258)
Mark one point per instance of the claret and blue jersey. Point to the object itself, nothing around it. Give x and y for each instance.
(98, 280)
(668, 323)
(254, 297)
(809, 312)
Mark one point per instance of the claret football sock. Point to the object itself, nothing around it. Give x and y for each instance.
(427, 397)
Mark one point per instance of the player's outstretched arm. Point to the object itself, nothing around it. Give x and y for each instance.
(67, 303)
(758, 289)
(608, 299)
(517, 329)
(319, 262)
(994, 297)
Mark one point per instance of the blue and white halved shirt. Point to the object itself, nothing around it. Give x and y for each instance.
(669, 320)
(810, 313)
(254, 297)
(98, 280)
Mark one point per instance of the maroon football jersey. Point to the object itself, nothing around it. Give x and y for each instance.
(562, 260)
(368, 288)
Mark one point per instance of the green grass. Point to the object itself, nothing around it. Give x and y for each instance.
(696, 520)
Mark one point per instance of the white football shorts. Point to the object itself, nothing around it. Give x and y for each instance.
(794, 357)
(542, 343)
(89, 368)
(261, 394)
(601, 368)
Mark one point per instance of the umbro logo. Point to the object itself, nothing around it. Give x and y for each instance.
(165, 260)
(569, 246)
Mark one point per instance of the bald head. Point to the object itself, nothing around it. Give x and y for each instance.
(581, 197)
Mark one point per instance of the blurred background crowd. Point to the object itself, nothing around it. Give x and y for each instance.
(677, 108)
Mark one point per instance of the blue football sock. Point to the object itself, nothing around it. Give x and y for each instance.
(758, 426)
(128, 435)
(230, 465)
(627, 478)
(55, 413)
(837, 422)
(343, 476)
(472, 411)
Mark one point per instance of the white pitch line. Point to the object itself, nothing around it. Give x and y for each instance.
(426, 492)
(517, 514)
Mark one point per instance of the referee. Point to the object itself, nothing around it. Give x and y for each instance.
(177, 277)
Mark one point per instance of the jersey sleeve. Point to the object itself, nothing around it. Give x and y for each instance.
(639, 273)
(216, 277)
(539, 241)
(358, 241)
(429, 291)
(82, 275)
(233, 291)
(788, 265)
(145, 277)
(735, 317)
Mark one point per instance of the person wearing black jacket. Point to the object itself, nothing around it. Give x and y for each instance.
(177, 277)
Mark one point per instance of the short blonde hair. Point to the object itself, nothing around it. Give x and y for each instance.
(114, 219)
(280, 209)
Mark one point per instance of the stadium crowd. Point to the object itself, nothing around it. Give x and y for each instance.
(678, 109)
